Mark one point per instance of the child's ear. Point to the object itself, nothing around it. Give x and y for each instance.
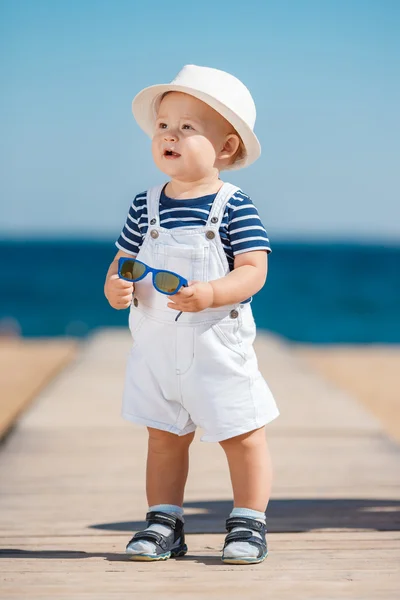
(230, 147)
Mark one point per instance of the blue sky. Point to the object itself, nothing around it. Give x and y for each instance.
(324, 75)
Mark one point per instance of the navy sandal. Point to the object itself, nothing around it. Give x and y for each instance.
(166, 546)
(246, 536)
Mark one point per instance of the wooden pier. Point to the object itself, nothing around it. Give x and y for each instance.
(72, 492)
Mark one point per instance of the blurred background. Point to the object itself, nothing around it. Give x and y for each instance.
(325, 79)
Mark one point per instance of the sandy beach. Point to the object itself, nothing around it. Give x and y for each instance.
(26, 367)
(371, 374)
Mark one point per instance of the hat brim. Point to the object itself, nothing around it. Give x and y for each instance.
(145, 105)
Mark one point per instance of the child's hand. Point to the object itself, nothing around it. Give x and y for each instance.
(198, 296)
(118, 292)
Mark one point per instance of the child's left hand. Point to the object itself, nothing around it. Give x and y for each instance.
(197, 296)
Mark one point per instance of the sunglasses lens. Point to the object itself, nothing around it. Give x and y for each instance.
(132, 270)
(166, 282)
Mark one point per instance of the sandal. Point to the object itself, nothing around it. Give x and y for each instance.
(165, 544)
(246, 536)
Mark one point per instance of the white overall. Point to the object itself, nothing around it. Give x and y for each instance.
(202, 369)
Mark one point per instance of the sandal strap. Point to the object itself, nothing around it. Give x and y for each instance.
(152, 536)
(249, 538)
(246, 522)
(238, 536)
(164, 519)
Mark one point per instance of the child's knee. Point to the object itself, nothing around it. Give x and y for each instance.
(245, 441)
(160, 438)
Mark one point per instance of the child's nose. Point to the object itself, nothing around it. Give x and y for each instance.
(171, 136)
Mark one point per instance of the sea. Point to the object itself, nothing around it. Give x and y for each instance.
(320, 293)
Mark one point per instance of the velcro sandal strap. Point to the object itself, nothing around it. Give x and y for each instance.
(238, 536)
(162, 519)
(246, 536)
(152, 536)
(252, 524)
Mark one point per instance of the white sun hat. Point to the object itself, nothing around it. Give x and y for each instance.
(223, 92)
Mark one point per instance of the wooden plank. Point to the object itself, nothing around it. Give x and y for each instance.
(329, 566)
(26, 367)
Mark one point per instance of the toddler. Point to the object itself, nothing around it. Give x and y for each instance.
(192, 362)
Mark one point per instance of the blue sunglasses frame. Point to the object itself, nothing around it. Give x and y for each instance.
(123, 259)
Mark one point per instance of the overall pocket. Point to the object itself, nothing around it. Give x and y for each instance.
(191, 263)
(228, 332)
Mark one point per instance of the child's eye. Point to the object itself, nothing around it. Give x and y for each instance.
(162, 126)
(187, 126)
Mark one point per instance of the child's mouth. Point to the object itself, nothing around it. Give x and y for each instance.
(171, 154)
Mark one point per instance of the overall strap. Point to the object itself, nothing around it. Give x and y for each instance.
(218, 206)
(153, 203)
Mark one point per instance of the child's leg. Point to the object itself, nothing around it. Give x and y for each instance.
(250, 469)
(251, 476)
(167, 469)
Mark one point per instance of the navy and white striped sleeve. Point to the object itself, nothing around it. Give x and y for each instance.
(245, 229)
(130, 238)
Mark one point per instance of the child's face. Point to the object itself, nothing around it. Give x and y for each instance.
(189, 137)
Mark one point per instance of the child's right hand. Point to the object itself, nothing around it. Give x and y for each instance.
(118, 292)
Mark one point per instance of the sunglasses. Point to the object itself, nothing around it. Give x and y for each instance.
(165, 282)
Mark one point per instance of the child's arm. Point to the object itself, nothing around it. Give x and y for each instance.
(118, 291)
(246, 279)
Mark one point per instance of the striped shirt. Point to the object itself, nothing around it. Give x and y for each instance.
(241, 228)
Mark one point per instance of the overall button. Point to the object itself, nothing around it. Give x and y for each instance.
(214, 219)
(135, 302)
(154, 234)
(234, 314)
(210, 235)
(153, 221)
